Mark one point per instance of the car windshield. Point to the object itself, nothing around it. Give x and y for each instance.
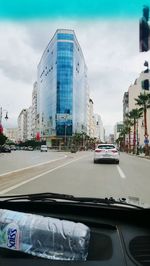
(106, 147)
(74, 76)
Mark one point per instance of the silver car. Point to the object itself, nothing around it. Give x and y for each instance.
(43, 148)
(106, 152)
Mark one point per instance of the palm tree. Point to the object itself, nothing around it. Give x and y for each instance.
(143, 100)
(121, 138)
(134, 115)
(128, 123)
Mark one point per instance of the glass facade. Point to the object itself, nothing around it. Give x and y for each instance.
(47, 76)
(80, 91)
(63, 90)
(64, 86)
(65, 36)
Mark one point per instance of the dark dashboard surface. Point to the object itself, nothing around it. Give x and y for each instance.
(119, 236)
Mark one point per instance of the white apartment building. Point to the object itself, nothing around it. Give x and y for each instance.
(29, 123)
(133, 92)
(34, 109)
(12, 134)
(99, 129)
(22, 125)
(92, 123)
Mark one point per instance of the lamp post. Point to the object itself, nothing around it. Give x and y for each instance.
(65, 132)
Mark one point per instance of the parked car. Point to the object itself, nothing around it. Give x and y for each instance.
(5, 148)
(30, 148)
(106, 152)
(13, 147)
(43, 148)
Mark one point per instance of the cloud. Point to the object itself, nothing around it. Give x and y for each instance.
(14, 96)
(110, 50)
(18, 59)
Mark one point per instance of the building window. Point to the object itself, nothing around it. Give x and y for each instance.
(65, 36)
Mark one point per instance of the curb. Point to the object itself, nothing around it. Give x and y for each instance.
(140, 156)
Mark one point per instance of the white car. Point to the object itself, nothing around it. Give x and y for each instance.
(106, 152)
(43, 148)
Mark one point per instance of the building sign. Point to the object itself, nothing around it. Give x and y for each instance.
(63, 117)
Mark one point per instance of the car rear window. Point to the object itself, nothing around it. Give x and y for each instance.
(104, 147)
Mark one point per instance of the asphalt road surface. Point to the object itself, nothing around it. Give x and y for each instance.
(33, 172)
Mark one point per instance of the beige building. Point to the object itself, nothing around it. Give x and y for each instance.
(34, 109)
(133, 92)
(22, 125)
(92, 122)
(12, 134)
(29, 123)
(95, 124)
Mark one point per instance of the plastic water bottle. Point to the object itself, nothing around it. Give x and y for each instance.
(43, 236)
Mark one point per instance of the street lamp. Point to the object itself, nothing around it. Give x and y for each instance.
(65, 132)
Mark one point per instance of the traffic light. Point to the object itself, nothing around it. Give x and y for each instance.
(144, 31)
(145, 84)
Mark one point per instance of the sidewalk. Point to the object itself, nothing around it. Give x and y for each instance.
(142, 155)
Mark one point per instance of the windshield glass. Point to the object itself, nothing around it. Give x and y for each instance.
(106, 147)
(75, 76)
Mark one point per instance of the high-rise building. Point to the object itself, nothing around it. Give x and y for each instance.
(34, 109)
(99, 129)
(92, 122)
(134, 91)
(25, 125)
(62, 88)
(22, 125)
(29, 123)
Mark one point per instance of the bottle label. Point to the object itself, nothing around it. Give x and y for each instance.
(12, 236)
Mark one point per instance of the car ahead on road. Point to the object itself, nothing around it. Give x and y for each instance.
(106, 152)
(43, 148)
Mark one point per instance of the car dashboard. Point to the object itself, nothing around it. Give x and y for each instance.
(119, 236)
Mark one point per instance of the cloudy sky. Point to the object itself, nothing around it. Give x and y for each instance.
(111, 52)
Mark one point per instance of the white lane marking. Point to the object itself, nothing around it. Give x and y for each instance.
(121, 173)
(32, 166)
(36, 177)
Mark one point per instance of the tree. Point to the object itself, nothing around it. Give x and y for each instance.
(128, 123)
(121, 138)
(143, 101)
(3, 139)
(77, 139)
(134, 115)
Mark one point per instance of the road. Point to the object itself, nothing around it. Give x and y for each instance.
(74, 174)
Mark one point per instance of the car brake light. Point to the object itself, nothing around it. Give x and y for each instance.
(98, 150)
(114, 151)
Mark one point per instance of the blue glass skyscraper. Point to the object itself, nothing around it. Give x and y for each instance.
(63, 88)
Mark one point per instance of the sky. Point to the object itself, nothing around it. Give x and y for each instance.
(111, 51)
